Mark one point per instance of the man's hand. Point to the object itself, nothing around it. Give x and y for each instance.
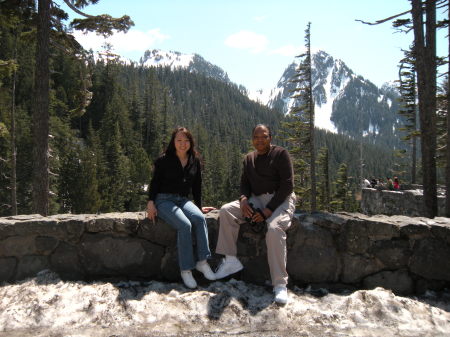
(151, 211)
(257, 217)
(246, 210)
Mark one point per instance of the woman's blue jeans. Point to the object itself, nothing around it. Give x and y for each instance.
(183, 215)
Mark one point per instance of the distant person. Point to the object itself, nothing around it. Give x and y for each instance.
(373, 182)
(177, 173)
(389, 183)
(396, 184)
(366, 183)
(267, 183)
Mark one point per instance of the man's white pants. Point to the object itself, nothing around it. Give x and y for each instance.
(231, 218)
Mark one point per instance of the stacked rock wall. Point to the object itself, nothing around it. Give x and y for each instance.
(344, 250)
(403, 202)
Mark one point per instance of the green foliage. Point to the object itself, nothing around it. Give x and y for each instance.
(7, 68)
(140, 171)
(323, 178)
(115, 189)
(441, 122)
(342, 196)
(103, 24)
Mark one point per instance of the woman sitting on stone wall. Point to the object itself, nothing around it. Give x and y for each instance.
(176, 173)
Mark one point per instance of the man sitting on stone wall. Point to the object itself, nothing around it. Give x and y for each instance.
(266, 184)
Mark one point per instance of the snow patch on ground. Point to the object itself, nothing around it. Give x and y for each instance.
(47, 306)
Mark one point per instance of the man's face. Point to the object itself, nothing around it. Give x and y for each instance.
(261, 140)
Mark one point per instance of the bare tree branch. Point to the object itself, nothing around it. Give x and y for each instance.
(439, 4)
(383, 20)
(76, 10)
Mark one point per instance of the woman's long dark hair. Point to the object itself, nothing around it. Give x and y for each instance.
(171, 147)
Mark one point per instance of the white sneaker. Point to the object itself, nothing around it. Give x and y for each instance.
(205, 269)
(281, 295)
(228, 267)
(188, 279)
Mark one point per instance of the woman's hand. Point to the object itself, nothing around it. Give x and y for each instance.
(151, 211)
(207, 209)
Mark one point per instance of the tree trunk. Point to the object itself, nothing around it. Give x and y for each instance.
(13, 135)
(41, 113)
(313, 161)
(447, 150)
(414, 160)
(425, 48)
(414, 138)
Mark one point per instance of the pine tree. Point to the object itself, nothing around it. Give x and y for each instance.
(140, 173)
(116, 193)
(88, 201)
(408, 93)
(103, 24)
(301, 125)
(94, 153)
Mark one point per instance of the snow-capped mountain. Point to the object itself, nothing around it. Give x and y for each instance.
(344, 102)
(174, 60)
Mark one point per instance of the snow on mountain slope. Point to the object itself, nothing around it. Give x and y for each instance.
(330, 77)
(155, 58)
(341, 97)
(192, 62)
(323, 111)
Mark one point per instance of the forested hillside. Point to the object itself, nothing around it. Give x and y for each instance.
(110, 120)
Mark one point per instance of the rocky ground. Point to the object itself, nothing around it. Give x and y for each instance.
(47, 306)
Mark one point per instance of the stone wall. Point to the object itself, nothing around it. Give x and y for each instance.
(407, 202)
(340, 251)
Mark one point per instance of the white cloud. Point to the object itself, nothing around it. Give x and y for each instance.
(244, 39)
(260, 18)
(134, 40)
(288, 50)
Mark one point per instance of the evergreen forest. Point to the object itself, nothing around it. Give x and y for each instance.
(109, 121)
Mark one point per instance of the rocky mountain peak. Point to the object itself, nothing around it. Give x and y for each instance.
(341, 97)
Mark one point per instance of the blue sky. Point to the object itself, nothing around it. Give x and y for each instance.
(255, 40)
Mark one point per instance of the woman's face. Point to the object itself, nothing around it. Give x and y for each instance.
(182, 143)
